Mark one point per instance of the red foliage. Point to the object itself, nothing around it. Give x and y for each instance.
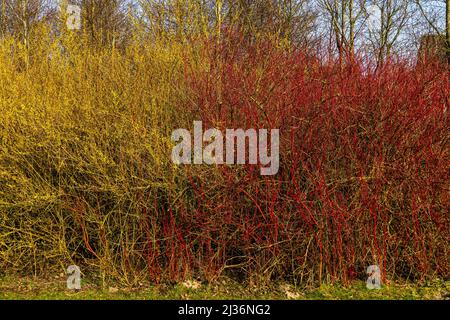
(363, 173)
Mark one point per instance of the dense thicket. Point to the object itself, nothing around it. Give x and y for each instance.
(86, 175)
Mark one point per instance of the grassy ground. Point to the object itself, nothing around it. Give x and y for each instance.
(30, 288)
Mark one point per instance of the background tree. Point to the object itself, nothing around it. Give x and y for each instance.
(342, 18)
(389, 18)
(437, 31)
(18, 17)
(105, 22)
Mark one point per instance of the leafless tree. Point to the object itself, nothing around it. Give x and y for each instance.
(18, 17)
(439, 31)
(289, 19)
(392, 16)
(105, 22)
(342, 20)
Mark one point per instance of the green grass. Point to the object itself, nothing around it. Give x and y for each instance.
(55, 289)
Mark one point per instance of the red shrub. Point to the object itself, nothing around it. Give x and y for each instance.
(363, 169)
